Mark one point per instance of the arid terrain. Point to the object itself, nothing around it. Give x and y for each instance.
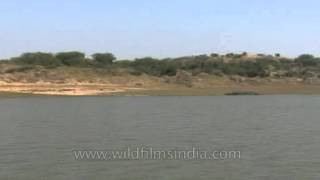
(86, 82)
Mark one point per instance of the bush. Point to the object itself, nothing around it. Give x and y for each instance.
(19, 69)
(155, 67)
(103, 59)
(234, 64)
(73, 58)
(42, 59)
(307, 60)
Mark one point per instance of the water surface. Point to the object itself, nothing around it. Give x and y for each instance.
(278, 136)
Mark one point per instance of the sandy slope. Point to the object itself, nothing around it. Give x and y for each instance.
(153, 86)
(86, 81)
(64, 89)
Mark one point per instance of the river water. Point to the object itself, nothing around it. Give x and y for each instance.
(278, 136)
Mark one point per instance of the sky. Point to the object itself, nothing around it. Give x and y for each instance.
(160, 28)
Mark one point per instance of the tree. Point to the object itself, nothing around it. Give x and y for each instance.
(230, 55)
(307, 60)
(71, 58)
(37, 58)
(155, 67)
(103, 58)
(214, 55)
(244, 54)
(202, 57)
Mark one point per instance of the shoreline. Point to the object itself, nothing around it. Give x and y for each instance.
(93, 89)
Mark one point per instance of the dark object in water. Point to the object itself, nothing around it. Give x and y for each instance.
(245, 93)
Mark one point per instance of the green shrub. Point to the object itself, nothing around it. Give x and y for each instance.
(73, 58)
(155, 67)
(103, 59)
(38, 58)
(307, 60)
(19, 69)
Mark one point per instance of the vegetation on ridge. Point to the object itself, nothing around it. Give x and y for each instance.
(243, 65)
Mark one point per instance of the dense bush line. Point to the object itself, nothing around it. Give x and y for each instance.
(229, 64)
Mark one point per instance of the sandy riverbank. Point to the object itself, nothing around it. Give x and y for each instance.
(91, 89)
(89, 82)
(65, 89)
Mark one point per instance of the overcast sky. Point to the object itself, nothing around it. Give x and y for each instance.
(160, 28)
